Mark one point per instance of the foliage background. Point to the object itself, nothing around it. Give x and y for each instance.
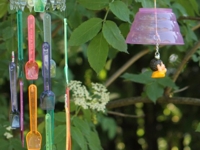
(96, 31)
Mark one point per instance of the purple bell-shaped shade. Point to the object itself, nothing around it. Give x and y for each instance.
(155, 25)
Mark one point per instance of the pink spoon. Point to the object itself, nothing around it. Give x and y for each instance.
(31, 67)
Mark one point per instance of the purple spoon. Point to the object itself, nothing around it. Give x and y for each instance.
(47, 98)
(14, 116)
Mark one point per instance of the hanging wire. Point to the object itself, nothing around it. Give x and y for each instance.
(156, 37)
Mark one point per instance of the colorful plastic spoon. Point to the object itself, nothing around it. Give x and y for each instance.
(14, 116)
(67, 110)
(47, 38)
(22, 4)
(48, 132)
(66, 57)
(33, 138)
(30, 4)
(31, 67)
(12, 4)
(39, 5)
(21, 111)
(20, 43)
(47, 98)
(67, 96)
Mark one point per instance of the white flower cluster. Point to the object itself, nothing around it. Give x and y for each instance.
(95, 100)
(8, 135)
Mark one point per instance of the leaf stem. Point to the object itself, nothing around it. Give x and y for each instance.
(76, 113)
(105, 17)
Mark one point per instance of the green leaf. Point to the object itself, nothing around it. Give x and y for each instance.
(143, 78)
(187, 7)
(3, 7)
(111, 129)
(124, 28)
(153, 91)
(85, 32)
(60, 116)
(82, 125)
(94, 4)
(98, 52)
(87, 114)
(4, 144)
(60, 145)
(146, 3)
(93, 141)
(178, 8)
(191, 34)
(194, 5)
(166, 82)
(112, 53)
(8, 33)
(79, 138)
(16, 144)
(120, 10)
(198, 128)
(113, 36)
(59, 133)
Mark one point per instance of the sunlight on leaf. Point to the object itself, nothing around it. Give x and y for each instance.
(113, 36)
(97, 52)
(85, 32)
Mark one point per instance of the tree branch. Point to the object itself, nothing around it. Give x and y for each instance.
(189, 18)
(125, 66)
(123, 115)
(134, 100)
(188, 55)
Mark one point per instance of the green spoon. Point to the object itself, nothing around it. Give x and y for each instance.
(47, 38)
(39, 5)
(48, 132)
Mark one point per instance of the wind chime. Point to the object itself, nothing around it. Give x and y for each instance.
(47, 97)
(155, 26)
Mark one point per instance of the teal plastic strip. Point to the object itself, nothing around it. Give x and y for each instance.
(39, 5)
(48, 132)
(51, 113)
(66, 56)
(20, 43)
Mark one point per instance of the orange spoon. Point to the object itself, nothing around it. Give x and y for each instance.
(31, 67)
(33, 138)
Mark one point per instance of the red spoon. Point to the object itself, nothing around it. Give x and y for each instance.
(31, 67)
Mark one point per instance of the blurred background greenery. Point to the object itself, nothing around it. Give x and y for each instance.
(151, 126)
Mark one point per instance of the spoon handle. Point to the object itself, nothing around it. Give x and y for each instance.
(47, 30)
(31, 37)
(33, 107)
(20, 35)
(21, 111)
(13, 84)
(46, 65)
(48, 131)
(39, 5)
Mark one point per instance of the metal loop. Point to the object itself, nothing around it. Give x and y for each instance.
(157, 55)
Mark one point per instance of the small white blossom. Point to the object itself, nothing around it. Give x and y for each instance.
(8, 135)
(9, 128)
(96, 100)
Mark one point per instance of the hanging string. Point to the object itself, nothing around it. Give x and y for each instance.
(157, 37)
(13, 56)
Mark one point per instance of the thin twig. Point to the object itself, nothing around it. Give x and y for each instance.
(181, 90)
(56, 30)
(134, 100)
(125, 66)
(189, 18)
(188, 55)
(196, 27)
(123, 115)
